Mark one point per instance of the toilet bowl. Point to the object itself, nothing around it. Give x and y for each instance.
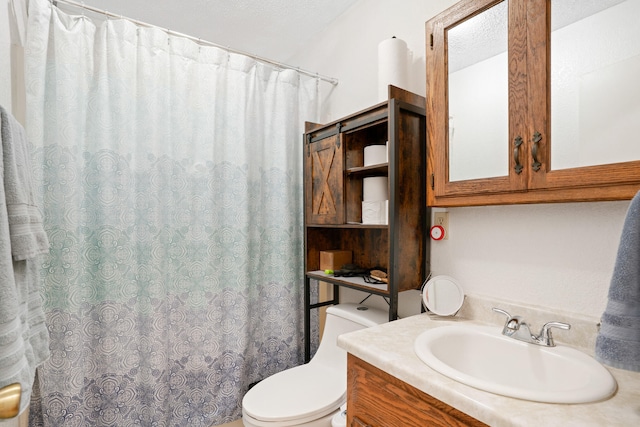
(310, 395)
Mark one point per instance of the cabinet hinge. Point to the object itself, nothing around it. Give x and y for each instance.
(308, 144)
(338, 130)
(431, 41)
(433, 182)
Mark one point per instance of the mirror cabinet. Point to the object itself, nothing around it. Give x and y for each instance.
(532, 101)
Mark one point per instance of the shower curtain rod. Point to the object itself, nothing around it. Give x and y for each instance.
(330, 80)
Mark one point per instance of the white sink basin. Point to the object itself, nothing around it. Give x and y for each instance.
(481, 357)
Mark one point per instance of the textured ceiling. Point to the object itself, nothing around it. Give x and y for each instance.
(272, 29)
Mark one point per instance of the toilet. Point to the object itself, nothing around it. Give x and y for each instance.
(310, 395)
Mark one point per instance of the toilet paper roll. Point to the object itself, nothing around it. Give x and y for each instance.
(375, 154)
(392, 66)
(375, 212)
(385, 213)
(375, 188)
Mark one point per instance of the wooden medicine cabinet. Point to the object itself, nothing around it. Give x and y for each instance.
(533, 101)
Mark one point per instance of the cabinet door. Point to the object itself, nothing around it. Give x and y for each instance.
(324, 181)
(377, 399)
(585, 103)
(476, 95)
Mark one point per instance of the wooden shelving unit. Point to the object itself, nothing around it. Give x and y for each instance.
(334, 171)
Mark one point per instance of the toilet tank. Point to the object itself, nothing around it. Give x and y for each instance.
(341, 319)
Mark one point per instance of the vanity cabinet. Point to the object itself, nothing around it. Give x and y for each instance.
(334, 173)
(377, 399)
(520, 115)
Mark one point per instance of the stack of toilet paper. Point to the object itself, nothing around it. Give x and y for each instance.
(375, 189)
(375, 200)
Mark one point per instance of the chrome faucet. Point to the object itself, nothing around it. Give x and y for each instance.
(518, 329)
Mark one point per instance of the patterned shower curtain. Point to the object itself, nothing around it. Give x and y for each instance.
(171, 189)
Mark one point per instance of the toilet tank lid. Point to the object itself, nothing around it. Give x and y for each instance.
(360, 314)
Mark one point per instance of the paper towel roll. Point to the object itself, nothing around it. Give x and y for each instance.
(392, 66)
(375, 154)
(375, 188)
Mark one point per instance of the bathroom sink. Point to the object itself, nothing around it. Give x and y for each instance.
(481, 357)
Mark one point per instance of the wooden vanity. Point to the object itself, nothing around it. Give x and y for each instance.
(376, 398)
(389, 386)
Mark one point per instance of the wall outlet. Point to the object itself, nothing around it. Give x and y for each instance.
(442, 219)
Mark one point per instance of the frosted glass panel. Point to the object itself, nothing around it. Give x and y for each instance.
(478, 96)
(595, 89)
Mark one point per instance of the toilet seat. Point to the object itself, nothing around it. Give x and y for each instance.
(325, 421)
(278, 399)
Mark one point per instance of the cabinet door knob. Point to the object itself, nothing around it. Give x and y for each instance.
(537, 137)
(516, 154)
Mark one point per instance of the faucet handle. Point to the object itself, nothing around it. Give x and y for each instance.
(513, 322)
(545, 337)
(501, 311)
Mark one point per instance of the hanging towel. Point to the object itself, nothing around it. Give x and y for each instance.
(28, 237)
(618, 342)
(24, 339)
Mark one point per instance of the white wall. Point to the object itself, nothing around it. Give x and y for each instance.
(560, 256)
(349, 49)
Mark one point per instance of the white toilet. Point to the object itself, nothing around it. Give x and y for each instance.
(310, 395)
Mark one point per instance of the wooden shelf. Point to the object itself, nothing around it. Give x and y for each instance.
(350, 225)
(381, 169)
(351, 282)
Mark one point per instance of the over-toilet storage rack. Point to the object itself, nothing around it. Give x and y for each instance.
(334, 170)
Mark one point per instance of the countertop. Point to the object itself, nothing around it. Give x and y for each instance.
(389, 347)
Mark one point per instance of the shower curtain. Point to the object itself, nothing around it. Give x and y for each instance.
(172, 195)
